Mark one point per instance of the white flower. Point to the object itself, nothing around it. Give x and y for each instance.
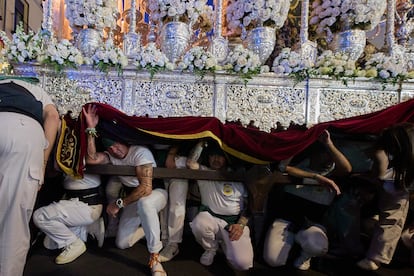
(335, 65)
(191, 9)
(386, 66)
(108, 55)
(23, 46)
(92, 13)
(243, 60)
(330, 16)
(287, 62)
(197, 58)
(243, 13)
(151, 58)
(61, 54)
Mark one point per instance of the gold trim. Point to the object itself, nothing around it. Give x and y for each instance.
(209, 134)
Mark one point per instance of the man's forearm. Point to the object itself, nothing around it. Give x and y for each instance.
(50, 125)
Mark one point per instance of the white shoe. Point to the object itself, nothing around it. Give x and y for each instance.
(169, 252)
(208, 257)
(49, 243)
(156, 266)
(303, 262)
(71, 252)
(368, 264)
(97, 231)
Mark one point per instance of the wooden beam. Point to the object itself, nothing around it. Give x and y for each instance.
(168, 173)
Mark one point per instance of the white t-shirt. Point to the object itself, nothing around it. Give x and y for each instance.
(222, 197)
(137, 156)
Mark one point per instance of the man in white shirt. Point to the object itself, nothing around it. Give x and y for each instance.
(142, 203)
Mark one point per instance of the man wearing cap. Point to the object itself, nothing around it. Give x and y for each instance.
(222, 215)
(141, 203)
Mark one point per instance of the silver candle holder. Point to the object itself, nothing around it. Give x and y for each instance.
(308, 49)
(219, 45)
(132, 40)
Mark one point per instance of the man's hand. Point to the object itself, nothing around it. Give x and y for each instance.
(91, 117)
(327, 182)
(112, 209)
(235, 231)
(325, 138)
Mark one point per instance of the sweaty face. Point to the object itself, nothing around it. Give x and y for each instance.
(216, 162)
(118, 150)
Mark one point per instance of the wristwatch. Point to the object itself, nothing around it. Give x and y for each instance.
(120, 203)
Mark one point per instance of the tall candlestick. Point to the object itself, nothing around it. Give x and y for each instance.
(304, 25)
(308, 48)
(218, 6)
(47, 15)
(219, 45)
(133, 13)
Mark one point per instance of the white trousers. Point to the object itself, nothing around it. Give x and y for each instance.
(22, 142)
(142, 212)
(209, 231)
(177, 193)
(279, 241)
(65, 221)
(393, 206)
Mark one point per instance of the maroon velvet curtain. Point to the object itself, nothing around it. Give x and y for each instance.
(248, 144)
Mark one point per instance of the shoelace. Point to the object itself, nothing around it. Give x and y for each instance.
(153, 260)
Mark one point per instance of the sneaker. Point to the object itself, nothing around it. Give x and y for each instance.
(208, 257)
(368, 264)
(156, 266)
(303, 262)
(71, 252)
(97, 231)
(49, 243)
(169, 252)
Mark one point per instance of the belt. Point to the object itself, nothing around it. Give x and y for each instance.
(230, 219)
(90, 196)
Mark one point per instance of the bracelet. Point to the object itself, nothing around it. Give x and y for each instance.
(315, 176)
(91, 131)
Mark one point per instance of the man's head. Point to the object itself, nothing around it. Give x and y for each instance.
(114, 148)
(216, 157)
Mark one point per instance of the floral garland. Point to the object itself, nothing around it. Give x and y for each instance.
(252, 13)
(23, 46)
(287, 62)
(163, 11)
(108, 56)
(336, 65)
(92, 13)
(386, 68)
(198, 60)
(152, 59)
(244, 62)
(61, 55)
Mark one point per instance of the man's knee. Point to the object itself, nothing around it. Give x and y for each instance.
(279, 241)
(313, 240)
